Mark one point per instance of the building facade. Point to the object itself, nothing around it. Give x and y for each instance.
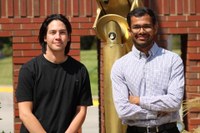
(21, 20)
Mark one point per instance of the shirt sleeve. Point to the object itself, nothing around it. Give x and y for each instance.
(124, 108)
(172, 100)
(85, 94)
(25, 85)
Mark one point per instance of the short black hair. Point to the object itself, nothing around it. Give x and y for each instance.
(141, 11)
(44, 26)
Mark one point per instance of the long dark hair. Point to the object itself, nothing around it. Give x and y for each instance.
(44, 26)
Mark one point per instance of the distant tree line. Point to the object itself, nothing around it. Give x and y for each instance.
(5, 47)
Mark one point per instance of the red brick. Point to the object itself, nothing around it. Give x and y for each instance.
(192, 89)
(193, 69)
(185, 7)
(82, 10)
(16, 8)
(166, 8)
(86, 25)
(30, 39)
(187, 24)
(17, 39)
(74, 52)
(177, 30)
(192, 75)
(75, 26)
(193, 50)
(69, 7)
(31, 26)
(75, 46)
(167, 24)
(38, 20)
(193, 43)
(192, 37)
(192, 95)
(17, 126)
(10, 26)
(75, 7)
(194, 56)
(179, 6)
(172, 7)
(75, 39)
(36, 6)
(23, 8)
(55, 6)
(5, 33)
(80, 19)
(29, 8)
(49, 7)
(22, 33)
(94, 5)
(22, 46)
(82, 32)
(193, 17)
(5, 20)
(197, 3)
(21, 20)
(10, 8)
(62, 7)
(3, 9)
(17, 53)
(42, 8)
(20, 60)
(177, 18)
(31, 53)
(195, 121)
(194, 30)
(88, 7)
(193, 82)
(192, 5)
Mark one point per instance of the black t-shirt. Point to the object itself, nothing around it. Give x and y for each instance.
(55, 90)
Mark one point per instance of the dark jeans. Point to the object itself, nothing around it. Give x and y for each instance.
(171, 130)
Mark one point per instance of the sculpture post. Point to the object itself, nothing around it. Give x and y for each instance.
(111, 27)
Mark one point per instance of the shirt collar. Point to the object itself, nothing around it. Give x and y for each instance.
(138, 53)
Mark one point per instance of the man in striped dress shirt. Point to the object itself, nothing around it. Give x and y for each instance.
(147, 82)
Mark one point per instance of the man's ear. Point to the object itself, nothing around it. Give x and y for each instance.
(130, 33)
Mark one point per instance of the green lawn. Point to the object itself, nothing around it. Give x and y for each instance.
(89, 59)
(6, 71)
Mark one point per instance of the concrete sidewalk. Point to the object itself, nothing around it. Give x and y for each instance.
(91, 124)
(6, 110)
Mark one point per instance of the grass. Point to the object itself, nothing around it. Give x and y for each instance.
(6, 72)
(89, 59)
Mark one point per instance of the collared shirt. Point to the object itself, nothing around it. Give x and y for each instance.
(157, 79)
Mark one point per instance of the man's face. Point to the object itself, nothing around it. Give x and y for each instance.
(56, 37)
(142, 31)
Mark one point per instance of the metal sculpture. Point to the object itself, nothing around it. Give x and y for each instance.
(111, 27)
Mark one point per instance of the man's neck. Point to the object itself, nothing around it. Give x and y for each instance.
(56, 58)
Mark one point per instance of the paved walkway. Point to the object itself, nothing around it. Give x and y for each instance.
(91, 124)
(6, 110)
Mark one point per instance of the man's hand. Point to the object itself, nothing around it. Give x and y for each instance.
(134, 100)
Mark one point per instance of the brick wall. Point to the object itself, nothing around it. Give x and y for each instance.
(21, 19)
(183, 17)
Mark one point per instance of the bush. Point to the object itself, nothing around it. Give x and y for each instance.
(7, 50)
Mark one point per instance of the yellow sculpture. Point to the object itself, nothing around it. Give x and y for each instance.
(111, 27)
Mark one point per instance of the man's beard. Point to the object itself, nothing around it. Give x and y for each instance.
(144, 44)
